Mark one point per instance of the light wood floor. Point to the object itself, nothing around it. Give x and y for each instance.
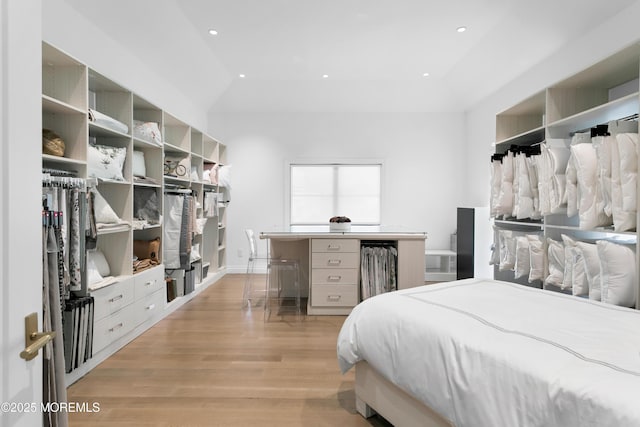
(211, 363)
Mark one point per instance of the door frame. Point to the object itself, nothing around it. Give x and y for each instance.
(20, 204)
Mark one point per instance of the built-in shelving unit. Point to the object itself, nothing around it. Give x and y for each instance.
(134, 301)
(607, 91)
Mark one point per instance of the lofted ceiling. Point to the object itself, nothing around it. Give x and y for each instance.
(374, 52)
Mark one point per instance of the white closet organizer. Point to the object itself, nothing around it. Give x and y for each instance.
(135, 301)
(607, 91)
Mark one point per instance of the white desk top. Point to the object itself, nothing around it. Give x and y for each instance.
(357, 232)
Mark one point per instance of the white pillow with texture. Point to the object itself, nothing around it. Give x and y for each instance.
(590, 203)
(569, 244)
(579, 282)
(100, 262)
(536, 258)
(592, 268)
(523, 263)
(507, 250)
(103, 211)
(495, 247)
(106, 162)
(139, 166)
(618, 270)
(93, 275)
(496, 176)
(555, 255)
(627, 143)
(622, 220)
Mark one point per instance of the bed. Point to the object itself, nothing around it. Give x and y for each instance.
(488, 353)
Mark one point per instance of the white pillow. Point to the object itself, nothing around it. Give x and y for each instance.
(224, 176)
(592, 268)
(100, 262)
(106, 162)
(569, 244)
(93, 275)
(495, 248)
(139, 166)
(622, 221)
(507, 250)
(579, 282)
(556, 263)
(149, 131)
(496, 177)
(523, 263)
(103, 211)
(618, 270)
(627, 143)
(589, 198)
(536, 258)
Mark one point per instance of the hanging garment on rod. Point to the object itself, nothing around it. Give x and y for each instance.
(378, 263)
(54, 388)
(179, 227)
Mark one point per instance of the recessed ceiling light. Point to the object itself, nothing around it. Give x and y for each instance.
(425, 75)
(461, 29)
(213, 32)
(325, 76)
(242, 76)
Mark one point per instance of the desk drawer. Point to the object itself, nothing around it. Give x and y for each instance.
(335, 245)
(334, 295)
(333, 276)
(336, 260)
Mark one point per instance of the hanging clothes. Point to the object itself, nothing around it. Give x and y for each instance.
(378, 269)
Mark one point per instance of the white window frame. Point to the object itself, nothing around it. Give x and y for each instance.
(329, 162)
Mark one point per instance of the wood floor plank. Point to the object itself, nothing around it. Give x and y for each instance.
(211, 363)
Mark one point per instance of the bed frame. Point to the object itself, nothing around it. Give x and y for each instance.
(375, 394)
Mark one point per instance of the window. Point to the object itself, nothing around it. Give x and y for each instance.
(320, 191)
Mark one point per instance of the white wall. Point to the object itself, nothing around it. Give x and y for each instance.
(71, 32)
(602, 41)
(423, 181)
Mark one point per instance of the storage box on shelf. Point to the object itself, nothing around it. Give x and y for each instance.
(605, 92)
(125, 122)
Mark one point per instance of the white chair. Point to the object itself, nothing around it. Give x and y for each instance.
(250, 295)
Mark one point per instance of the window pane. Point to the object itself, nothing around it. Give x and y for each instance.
(311, 194)
(359, 193)
(319, 192)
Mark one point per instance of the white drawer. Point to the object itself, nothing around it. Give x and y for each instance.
(331, 276)
(147, 307)
(334, 295)
(335, 245)
(109, 329)
(112, 298)
(336, 260)
(149, 281)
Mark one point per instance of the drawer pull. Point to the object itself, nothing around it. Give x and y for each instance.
(149, 283)
(114, 299)
(118, 326)
(334, 278)
(151, 307)
(333, 247)
(334, 262)
(334, 298)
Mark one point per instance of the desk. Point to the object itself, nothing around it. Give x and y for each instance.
(330, 262)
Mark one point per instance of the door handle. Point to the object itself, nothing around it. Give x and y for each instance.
(34, 340)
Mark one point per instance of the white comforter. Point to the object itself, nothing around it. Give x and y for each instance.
(489, 353)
